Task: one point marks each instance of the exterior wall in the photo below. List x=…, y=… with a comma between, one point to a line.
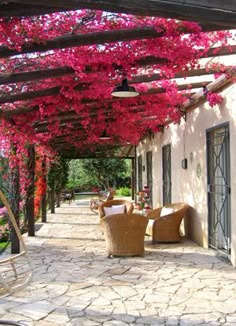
x=188, y=140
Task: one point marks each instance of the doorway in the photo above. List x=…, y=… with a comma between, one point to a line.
x=140, y=173
x=218, y=179
x=166, y=174
x=149, y=175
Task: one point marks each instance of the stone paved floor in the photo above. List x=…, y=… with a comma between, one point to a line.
x=74, y=283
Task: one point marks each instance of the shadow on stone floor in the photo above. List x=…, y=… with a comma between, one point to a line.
x=155, y=255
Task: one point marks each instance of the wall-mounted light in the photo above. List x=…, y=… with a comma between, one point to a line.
x=184, y=163
x=124, y=90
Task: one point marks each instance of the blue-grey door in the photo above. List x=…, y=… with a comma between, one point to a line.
x=166, y=174
x=149, y=175
x=218, y=174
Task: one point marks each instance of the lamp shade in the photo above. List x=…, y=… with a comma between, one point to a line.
x=124, y=90
x=104, y=135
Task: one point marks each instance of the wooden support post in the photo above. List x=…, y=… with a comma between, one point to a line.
x=135, y=173
x=44, y=208
x=14, y=201
x=52, y=197
x=44, y=199
x=29, y=204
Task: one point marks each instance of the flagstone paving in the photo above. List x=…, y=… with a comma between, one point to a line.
x=74, y=283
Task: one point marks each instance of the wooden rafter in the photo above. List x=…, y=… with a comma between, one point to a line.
x=28, y=76
x=22, y=10
x=70, y=41
x=212, y=15
x=34, y=75
x=11, y=98
x=218, y=85
x=218, y=12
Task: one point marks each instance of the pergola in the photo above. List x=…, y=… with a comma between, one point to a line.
x=211, y=17
x=56, y=90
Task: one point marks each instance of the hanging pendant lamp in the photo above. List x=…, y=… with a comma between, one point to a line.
x=104, y=135
x=124, y=90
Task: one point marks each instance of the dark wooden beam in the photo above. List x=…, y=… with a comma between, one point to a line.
x=11, y=98
x=24, y=10
x=83, y=39
x=69, y=41
x=218, y=12
x=72, y=117
x=21, y=10
x=35, y=75
x=21, y=110
x=217, y=86
x=183, y=74
x=63, y=71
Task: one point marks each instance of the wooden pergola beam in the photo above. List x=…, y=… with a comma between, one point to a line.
x=72, y=117
x=218, y=85
x=94, y=38
x=22, y=10
x=11, y=98
x=218, y=12
x=29, y=76
x=70, y=41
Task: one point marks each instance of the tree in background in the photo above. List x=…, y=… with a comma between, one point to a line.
x=104, y=173
x=57, y=179
x=76, y=176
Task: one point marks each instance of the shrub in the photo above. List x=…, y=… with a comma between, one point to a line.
x=4, y=232
x=124, y=191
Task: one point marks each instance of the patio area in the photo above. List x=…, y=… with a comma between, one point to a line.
x=74, y=283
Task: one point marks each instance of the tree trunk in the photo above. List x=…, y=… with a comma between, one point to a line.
x=52, y=197
x=58, y=197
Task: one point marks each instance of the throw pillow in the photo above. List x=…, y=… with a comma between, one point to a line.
x=108, y=210
x=118, y=209
x=166, y=211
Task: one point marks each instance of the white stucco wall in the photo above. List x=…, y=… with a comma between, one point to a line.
x=188, y=185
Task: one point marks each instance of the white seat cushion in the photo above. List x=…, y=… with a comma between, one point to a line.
x=166, y=211
x=149, y=228
x=118, y=209
x=108, y=210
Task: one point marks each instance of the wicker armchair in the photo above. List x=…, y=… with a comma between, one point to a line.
x=124, y=234
x=129, y=207
x=166, y=228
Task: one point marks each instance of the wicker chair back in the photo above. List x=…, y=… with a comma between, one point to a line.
x=166, y=228
x=129, y=207
x=124, y=234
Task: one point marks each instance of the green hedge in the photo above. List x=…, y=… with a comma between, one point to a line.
x=124, y=191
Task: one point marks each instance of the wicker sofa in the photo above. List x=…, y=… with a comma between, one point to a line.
x=124, y=234
x=128, y=206
x=166, y=228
